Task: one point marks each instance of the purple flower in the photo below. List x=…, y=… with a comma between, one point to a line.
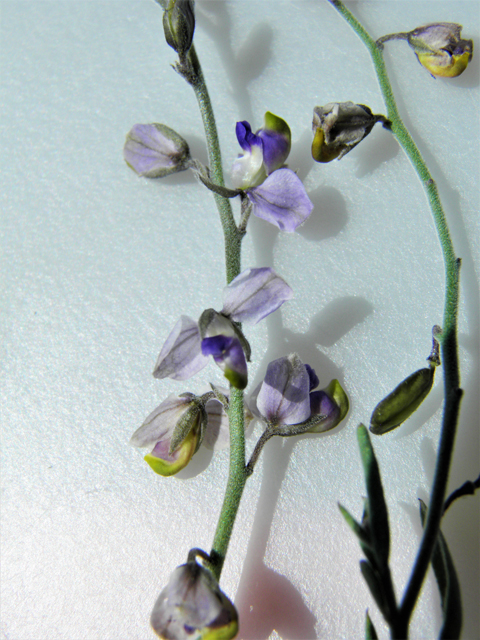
x=192, y=605
x=155, y=150
x=286, y=398
x=251, y=296
x=277, y=194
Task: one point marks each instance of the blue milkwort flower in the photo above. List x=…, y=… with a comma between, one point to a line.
x=192, y=607
x=276, y=193
x=174, y=431
x=251, y=296
x=287, y=401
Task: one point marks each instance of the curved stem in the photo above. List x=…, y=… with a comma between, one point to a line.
x=448, y=338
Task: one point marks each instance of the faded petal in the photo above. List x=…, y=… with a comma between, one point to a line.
x=181, y=355
x=281, y=200
x=284, y=394
x=192, y=606
x=155, y=150
x=254, y=294
x=160, y=424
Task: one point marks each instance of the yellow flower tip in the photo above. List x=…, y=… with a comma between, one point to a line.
x=445, y=65
x=178, y=460
x=322, y=152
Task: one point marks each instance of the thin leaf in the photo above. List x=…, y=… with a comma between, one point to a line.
x=448, y=585
x=356, y=527
x=377, y=507
x=374, y=584
x=370, y=633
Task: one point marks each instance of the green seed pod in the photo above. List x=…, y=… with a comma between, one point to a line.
x=402, y=401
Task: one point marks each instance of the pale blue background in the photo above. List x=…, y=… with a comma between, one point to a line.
x=97, y=265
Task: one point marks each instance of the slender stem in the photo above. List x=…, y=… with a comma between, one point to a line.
x=468, y=488
x=448, y=338
x=233, y=238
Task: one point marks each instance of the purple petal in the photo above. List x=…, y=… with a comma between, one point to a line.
x=228, y=354
x=284, y=395
x=312, y=377
x=281, y=200
x=254, y=294
x=275, y=149
x=322, y=404
x=181, y=356
x=155, y=150
x=246, y=138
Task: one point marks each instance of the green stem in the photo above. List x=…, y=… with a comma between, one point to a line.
x=448, y=337
x=233, y=238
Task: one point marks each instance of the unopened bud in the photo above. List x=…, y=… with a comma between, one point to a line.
x=179, y=25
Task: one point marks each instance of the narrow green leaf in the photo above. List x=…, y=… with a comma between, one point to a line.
x=448, y=585
x=373, y=581
x=377, y=507
x=370, y=633
x=356, y=527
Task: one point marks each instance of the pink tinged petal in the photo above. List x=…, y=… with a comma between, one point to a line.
x=284, y=395
x=181, y=355
x=281, y=200
x=254, y=294
x=155, y=150
x=160, y=424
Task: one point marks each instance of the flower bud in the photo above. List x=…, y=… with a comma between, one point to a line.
x=179, y=25
x=330, y=403
x=155, y=150
x=192, y=607
x=440, y=49
x=339, y=126
x=402, y=401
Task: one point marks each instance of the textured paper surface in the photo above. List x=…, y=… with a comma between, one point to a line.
x=98, y=264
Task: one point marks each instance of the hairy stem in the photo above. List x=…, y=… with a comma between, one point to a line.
x=233, y=238
x=448, y=338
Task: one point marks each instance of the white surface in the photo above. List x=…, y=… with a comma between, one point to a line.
x=98, y=265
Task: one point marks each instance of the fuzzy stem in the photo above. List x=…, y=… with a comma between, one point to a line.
x=448, y=338
x=233, y=238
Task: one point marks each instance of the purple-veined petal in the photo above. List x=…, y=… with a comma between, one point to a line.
x=254, y=294
x=160, y=424
x=181, y=356
x=155, y=150
x=284, y=395
x=281, y=200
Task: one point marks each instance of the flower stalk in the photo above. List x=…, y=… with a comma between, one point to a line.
x=448, y=338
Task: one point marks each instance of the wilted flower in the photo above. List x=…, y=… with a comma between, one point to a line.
x=277, y=194
x=192, y=607
x=438, y=47
x=251, y=296
x=339, y=126
x=179, y=25
x=155, y=150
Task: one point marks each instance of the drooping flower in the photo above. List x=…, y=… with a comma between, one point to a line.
x=192, y=607
x=155, y=150
x=251, y=296
x=439, y=47
x=276, y=193
x=339, y=126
